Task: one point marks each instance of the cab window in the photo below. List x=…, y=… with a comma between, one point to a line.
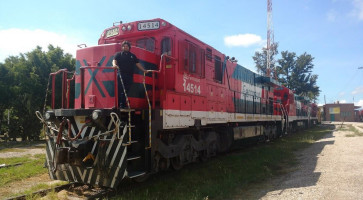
x=193, y=58
x=209, y=54
x=146, y=43
x=218, y=74
x=166, y=46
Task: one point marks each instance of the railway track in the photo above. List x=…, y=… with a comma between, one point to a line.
x=74, y=190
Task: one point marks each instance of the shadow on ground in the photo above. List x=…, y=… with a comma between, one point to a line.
x=303, y=176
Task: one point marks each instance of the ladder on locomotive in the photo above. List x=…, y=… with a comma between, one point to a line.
x=132, y=157
x=162, y=65
x=150, y=107
x=285, y=118
x=129, y=111
x=135, y=164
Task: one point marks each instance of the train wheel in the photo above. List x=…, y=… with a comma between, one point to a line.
x=176, y=163
x=262, y=138
x=163, y=164
x=203, y=155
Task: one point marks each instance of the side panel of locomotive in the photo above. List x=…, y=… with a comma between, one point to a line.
x=212, y=89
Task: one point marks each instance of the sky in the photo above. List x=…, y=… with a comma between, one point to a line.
x=329, y=30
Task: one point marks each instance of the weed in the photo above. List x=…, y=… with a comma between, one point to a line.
x=355, y=131
x=30, y=166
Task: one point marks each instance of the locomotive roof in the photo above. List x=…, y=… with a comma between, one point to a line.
x=120, y=30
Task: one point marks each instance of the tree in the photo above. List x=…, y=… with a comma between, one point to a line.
x=26, y=81
x=292, y=71
x=303, y=81
x=296, y=74
x=286, y=65
x=260, y=58
x=6, y=92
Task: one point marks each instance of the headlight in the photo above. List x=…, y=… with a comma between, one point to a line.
x=123, y=28
x=129, y=27
x=96, y=114
x=49, y=115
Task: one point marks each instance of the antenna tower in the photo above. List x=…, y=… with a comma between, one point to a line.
x=270, y=37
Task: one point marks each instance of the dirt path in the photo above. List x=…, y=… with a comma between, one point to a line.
x=332, y=168
x=17, y=152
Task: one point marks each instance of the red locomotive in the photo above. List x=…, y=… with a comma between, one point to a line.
x=196, y=103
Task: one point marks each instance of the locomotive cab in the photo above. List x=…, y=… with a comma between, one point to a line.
x=96, y=81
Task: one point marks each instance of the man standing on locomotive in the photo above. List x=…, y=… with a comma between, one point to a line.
x=125, y=61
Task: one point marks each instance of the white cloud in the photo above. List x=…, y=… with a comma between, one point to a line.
x=358, y=90
x=243, y=40
x=14, y=41
x=358, y=9
x=359, y=103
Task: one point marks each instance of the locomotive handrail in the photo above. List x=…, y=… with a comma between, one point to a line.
x=82, y=82
x=286, y=109
x=65, y=84
x=162, y=66
x=225, y=66
x=53, y=86
x=284, y=112
x=162, y=59
x=128, y=105
x=286, y=115
x=68, y=88
x=149, y=106
x=59, y=71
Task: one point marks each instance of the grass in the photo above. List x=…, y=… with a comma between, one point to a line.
x=31, y=166
x=344, y=127
x=221, y=177
x=355, y=131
